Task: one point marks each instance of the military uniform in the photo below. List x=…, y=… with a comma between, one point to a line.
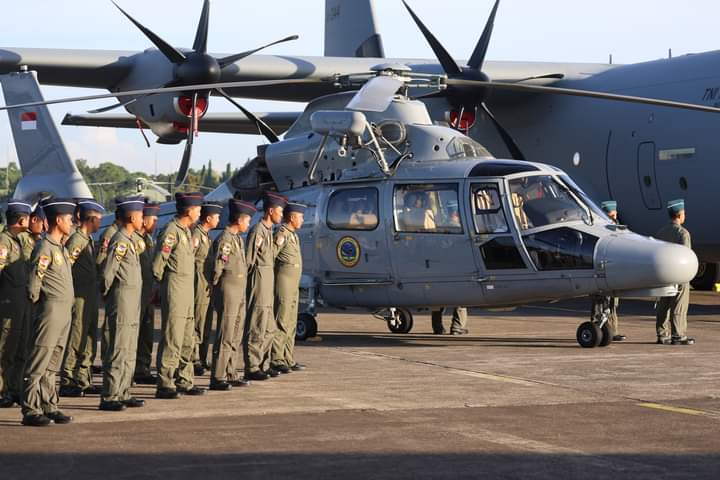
x=203, y=286
x=673, y=310
x=174, y=269
x=458, y=325
x=288, y=270
x=230, y=280
x=50, y=288
x=103, y=246
x=145, y=246
x=77, y=366
x=122, y=287
x=14, y=311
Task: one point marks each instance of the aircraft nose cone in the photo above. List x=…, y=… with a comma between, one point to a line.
x=636, y=262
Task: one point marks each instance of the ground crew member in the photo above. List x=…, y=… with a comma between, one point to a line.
x=174, y=269
x=122, y=289
x=458, y=325
x=261, y=289
x=288, y=270
x=76, y=372
x=610, y=209
x=230, y=282
x=673, y=310
x=209, y=220
x=50, y=288
x=143, y=375
x=14, y=304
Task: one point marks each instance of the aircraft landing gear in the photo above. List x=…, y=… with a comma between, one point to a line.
x=597, y=332
x=306, y=327
x=399, y=320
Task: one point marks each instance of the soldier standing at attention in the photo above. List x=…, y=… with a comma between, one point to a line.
x=230, y=282
x=610, y=209
x=76, y=372
x=50, y=288
x=209, y=220
x=288, y=269
x=122, y=289
x=261, y=288
x=174, y=269
x=674, y=310
x=14, y=304
x=35, y=232
x=143, y=375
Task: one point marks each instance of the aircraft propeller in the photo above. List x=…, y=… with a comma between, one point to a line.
x=198, y=67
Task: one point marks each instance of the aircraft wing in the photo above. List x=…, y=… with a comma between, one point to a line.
x=280, y=122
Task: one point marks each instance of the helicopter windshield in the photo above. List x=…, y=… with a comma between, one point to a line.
x=542, y=200
x=465, y=147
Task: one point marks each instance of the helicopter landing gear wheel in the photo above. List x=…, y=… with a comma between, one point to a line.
x=589, y=335
x=306, y=327
x=400, y=321
x=607, y=333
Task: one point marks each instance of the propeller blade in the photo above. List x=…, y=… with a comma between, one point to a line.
x=172, y=54
x=525, y=88
x=507, y=138
x=478, y=56
x=449, y=65
x=262, y=127
x=201, y=37
x=239, y=56
x=552, y=76
x=187, y=154
x=112, y=107
x=153, y=91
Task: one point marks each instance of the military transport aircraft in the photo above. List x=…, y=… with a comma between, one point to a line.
x=638, y=152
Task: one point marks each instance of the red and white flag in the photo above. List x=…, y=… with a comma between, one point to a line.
x=28, y=121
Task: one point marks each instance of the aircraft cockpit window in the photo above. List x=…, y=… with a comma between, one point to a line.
x=353, y=209
x=465, y=147
x=561, y=249
x=487, y=210
x=427, y=208
x=538, y=201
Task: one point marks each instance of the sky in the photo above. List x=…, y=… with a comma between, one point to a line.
x=525, y=30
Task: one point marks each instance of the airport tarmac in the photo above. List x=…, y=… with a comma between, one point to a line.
x=517, y=398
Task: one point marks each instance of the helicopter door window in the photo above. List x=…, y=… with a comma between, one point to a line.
x=427, y=208
x=353, y=209
x=541, y=200
x=487, y=210
x=561, y=249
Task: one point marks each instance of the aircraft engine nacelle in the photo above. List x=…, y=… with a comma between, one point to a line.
x=169, y=116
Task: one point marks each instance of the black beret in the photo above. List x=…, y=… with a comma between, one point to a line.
x=187, y=200
x=272, y=199
x=210, y=208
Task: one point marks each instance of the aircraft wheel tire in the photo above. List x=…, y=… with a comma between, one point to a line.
x=607, y=333
x=706, y=277
x=306, y=327
x=588, y=335
x=404, y=323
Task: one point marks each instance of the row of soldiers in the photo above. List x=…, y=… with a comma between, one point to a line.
x=51, y=293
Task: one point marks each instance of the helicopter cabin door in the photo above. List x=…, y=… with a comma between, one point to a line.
x=430, y=247
x=352, y=248
x=503, y=271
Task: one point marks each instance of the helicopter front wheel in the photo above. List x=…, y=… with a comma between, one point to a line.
x=589, y=335
x=400, y=321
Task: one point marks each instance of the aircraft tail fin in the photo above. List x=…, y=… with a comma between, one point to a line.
x=351, y=29
x=46, y=166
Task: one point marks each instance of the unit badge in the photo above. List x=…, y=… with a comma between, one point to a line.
x=348, y=252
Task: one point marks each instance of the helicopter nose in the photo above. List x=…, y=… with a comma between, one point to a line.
x=636, y=262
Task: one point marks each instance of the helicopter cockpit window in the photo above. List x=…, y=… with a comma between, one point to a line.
x=464, y=147
x=561, y=249
x=542, y=200
x=487, y=209
x=353, y=209
x=427, y=208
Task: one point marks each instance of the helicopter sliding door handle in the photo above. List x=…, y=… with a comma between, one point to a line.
x=482, y=279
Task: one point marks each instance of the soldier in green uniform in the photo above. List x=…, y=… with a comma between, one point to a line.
x=288, y=270
x=35, y=232
x=611, y=303
x=143, y=375
x=230, y=282
x=122, y=289
x=458, y=325
x=261, y=289
x=209, y=220
x=76, y=372
x=174, y=269
x=673, y=310
x=50, y=288
x=14, y=304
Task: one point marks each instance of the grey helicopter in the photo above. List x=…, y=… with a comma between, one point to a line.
x=406, y=214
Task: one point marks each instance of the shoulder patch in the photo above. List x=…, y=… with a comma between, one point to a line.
x=3, y=253
x=105, y=245
x=75, y=254
x=170, y=240
x=280, y=240
x=58, y=258
x=226, y=248
x=141, y=246
x=121, y=249
x=43, y=264
x=196, y=242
